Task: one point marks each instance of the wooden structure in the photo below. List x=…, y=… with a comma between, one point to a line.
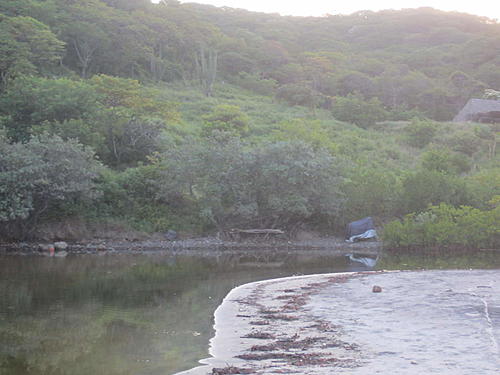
x=239, y=234
x=480, y=110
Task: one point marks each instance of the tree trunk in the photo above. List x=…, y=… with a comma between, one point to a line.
x=207, y=67
x=84, y=52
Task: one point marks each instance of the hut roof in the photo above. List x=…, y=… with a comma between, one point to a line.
x=475, y=107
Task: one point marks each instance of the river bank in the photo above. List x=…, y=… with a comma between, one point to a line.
x=330, y=245
x=444, y=322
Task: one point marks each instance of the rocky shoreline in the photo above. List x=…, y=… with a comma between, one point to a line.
x=196, y=245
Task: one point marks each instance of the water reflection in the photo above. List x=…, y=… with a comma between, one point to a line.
x=139, y=314
x=124, y=314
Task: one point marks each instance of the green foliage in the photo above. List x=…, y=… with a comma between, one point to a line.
x=371, y=192
x=30, y=101
x=35, y=176
x=445, y=161
x=465, y=142
x=298, y=94
x=252, y=82
x=394, y=65
x=83, y=130
x=445, y=226
x=420, y=132
x=356, y=110
x=352, y=83
x=26, y=46
x=484, y=187
x=433, y=68
x=133, y=120
x=274, y=184
x=226, y=118
x=310, y=131
x=430, y=187
x=134, y=196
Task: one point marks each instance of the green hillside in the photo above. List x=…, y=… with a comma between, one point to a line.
x=199, y=119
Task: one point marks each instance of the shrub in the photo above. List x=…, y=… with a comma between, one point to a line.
x=370, y=192
x=226, y=118
x=32, y=101
x=420, y=132
x=424, y=188
x=35, y=176
x=134, y=196
x=445, y=226
x=298, y=94
x=252, y=82
x=484, y=186
x=274, y=184
x=465, y=142
x=356, y=110
x=445, y=161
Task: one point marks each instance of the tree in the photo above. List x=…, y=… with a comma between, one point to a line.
x=491, y=94
x=356, y=110
x=35, y=176
x=30, y=101
x=420, y=132
x=424, y=188
x=234, y=63
x=355, y=82
x=443, y=160
x=490, y=133
x=26, y=46
x=370, y=192
x=298, y=94
x=288, y=74
x=206, y=63
x=227, y=118
x=132, y=121
x=272, y=185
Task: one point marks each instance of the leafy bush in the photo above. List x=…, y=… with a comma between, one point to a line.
x=371, y=192
x=465, y=142
x=252, y=82
x=420, y=132
x=424, y=188
x=445, y=225
x=227, y=118
x=274, y=184
x=32, y=101
x=298, y=94
x=134, y=197
x=445, y=161
x=37, y=175
x=355, y=109
x=484, y=187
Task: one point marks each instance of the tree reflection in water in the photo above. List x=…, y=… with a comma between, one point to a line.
x=124, y=314
x=142, y=314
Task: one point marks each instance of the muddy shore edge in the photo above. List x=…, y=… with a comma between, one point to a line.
x=261, y=327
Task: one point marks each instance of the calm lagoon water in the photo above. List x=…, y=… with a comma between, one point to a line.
x=138, y=314
x=124, y=314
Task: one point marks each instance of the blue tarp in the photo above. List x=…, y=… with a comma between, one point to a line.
x=360, y=230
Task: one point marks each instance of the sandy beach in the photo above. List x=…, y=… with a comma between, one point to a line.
x=443, y=322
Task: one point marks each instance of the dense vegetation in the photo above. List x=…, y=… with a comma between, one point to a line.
x=199, y=118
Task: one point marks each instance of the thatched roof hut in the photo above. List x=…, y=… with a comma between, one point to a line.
x=480, y=110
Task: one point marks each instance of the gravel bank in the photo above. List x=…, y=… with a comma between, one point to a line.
x=202, y=246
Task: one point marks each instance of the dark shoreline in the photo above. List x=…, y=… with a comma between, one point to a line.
x=201, y=246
